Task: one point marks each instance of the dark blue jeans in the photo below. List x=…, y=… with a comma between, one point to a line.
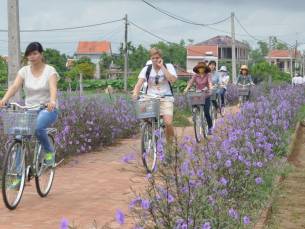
x=206, y=109
x=222, y=94
x=44, y=120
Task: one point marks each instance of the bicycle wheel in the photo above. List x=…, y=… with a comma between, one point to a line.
x=44, y=174
x=13, y=175
x=148, y=147
x=220, y=107
x=213, y=114
x=199, y=124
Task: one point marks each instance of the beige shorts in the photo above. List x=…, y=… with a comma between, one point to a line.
x=166, y=108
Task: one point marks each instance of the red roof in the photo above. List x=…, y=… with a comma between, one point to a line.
x=93, y=47
x=282, y=54
x=202, y=50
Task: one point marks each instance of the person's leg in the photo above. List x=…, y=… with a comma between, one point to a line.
x=44, y=120
x=215, y=104
x=169, y=129
x=223, y=97
x=167, y=111
x=207, y=114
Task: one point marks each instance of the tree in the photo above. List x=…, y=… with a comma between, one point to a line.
x=173, y=53
x=56, y=59
x=275, y=44
x=3, y=71
x=263, y=48
x=263, y=70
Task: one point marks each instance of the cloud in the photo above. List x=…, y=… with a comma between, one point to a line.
x=261, y=18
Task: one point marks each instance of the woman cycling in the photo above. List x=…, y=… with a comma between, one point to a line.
x=245, y=79
x=215, y=80
x=202, y=80
x=39, y=82
x=224, y=80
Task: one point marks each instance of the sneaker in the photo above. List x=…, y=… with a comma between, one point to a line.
x=15, y=183
x=49, y=158
x=210, y=131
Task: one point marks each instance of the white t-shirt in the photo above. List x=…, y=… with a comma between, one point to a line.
x=297, y=80
x=162, y=88
x=36, y=89
x=224, y=78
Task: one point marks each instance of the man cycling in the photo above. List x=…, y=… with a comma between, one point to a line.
x=159, y=77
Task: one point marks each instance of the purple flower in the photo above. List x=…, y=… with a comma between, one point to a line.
x=233, y=213
x=170, y=198
x=223, y=181
x=258, y=180
x=246, y=220
x=120, y=217
x=206, y=225
x=228, y=164
x=64, y=224
x=145, y=204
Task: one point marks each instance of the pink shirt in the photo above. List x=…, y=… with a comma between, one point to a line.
x=202, y=82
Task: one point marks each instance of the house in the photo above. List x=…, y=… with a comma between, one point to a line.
x=93, y=50
x=218, y=48
x=286, y=60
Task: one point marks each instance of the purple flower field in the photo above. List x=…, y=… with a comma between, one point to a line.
x=225, y=182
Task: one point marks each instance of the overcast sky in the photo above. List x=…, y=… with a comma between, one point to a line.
x=262, y=18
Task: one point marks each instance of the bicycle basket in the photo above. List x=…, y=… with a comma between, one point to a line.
x=148, y=108
x=243, y=91
x=196, y=98
x=19, y=123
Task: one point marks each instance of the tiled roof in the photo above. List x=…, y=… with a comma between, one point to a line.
x=93, y=47
x=202, y=50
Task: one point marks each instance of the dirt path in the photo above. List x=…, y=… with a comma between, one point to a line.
x=289, y=207
x=90, y=187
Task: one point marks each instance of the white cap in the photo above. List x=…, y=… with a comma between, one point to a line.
x=223, y=69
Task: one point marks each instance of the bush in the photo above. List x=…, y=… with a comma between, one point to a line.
x=225, y=182
x=85, y=123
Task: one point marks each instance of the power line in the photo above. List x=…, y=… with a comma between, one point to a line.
x=67, y=28
x=253, y=37
x=161, y=38
x=152, y=34
x=180, y=18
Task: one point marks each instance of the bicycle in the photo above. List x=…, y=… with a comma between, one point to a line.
x=197, y=101
x=152, y=129
x=244, y=93
x=19, y=161
x=215, y=98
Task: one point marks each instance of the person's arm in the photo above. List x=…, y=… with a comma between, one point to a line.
x=137, y=88
x=189, y=85
x=251, y=80
x=53, y=92
x=167, y=72
x=12, y=90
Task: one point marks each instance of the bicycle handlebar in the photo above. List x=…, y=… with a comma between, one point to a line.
x=8, y=105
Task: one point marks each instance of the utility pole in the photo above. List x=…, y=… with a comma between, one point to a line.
x=126, y=54
x=14, y=57
x=233, y=47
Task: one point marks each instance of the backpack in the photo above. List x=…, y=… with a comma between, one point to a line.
x=147, y=74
